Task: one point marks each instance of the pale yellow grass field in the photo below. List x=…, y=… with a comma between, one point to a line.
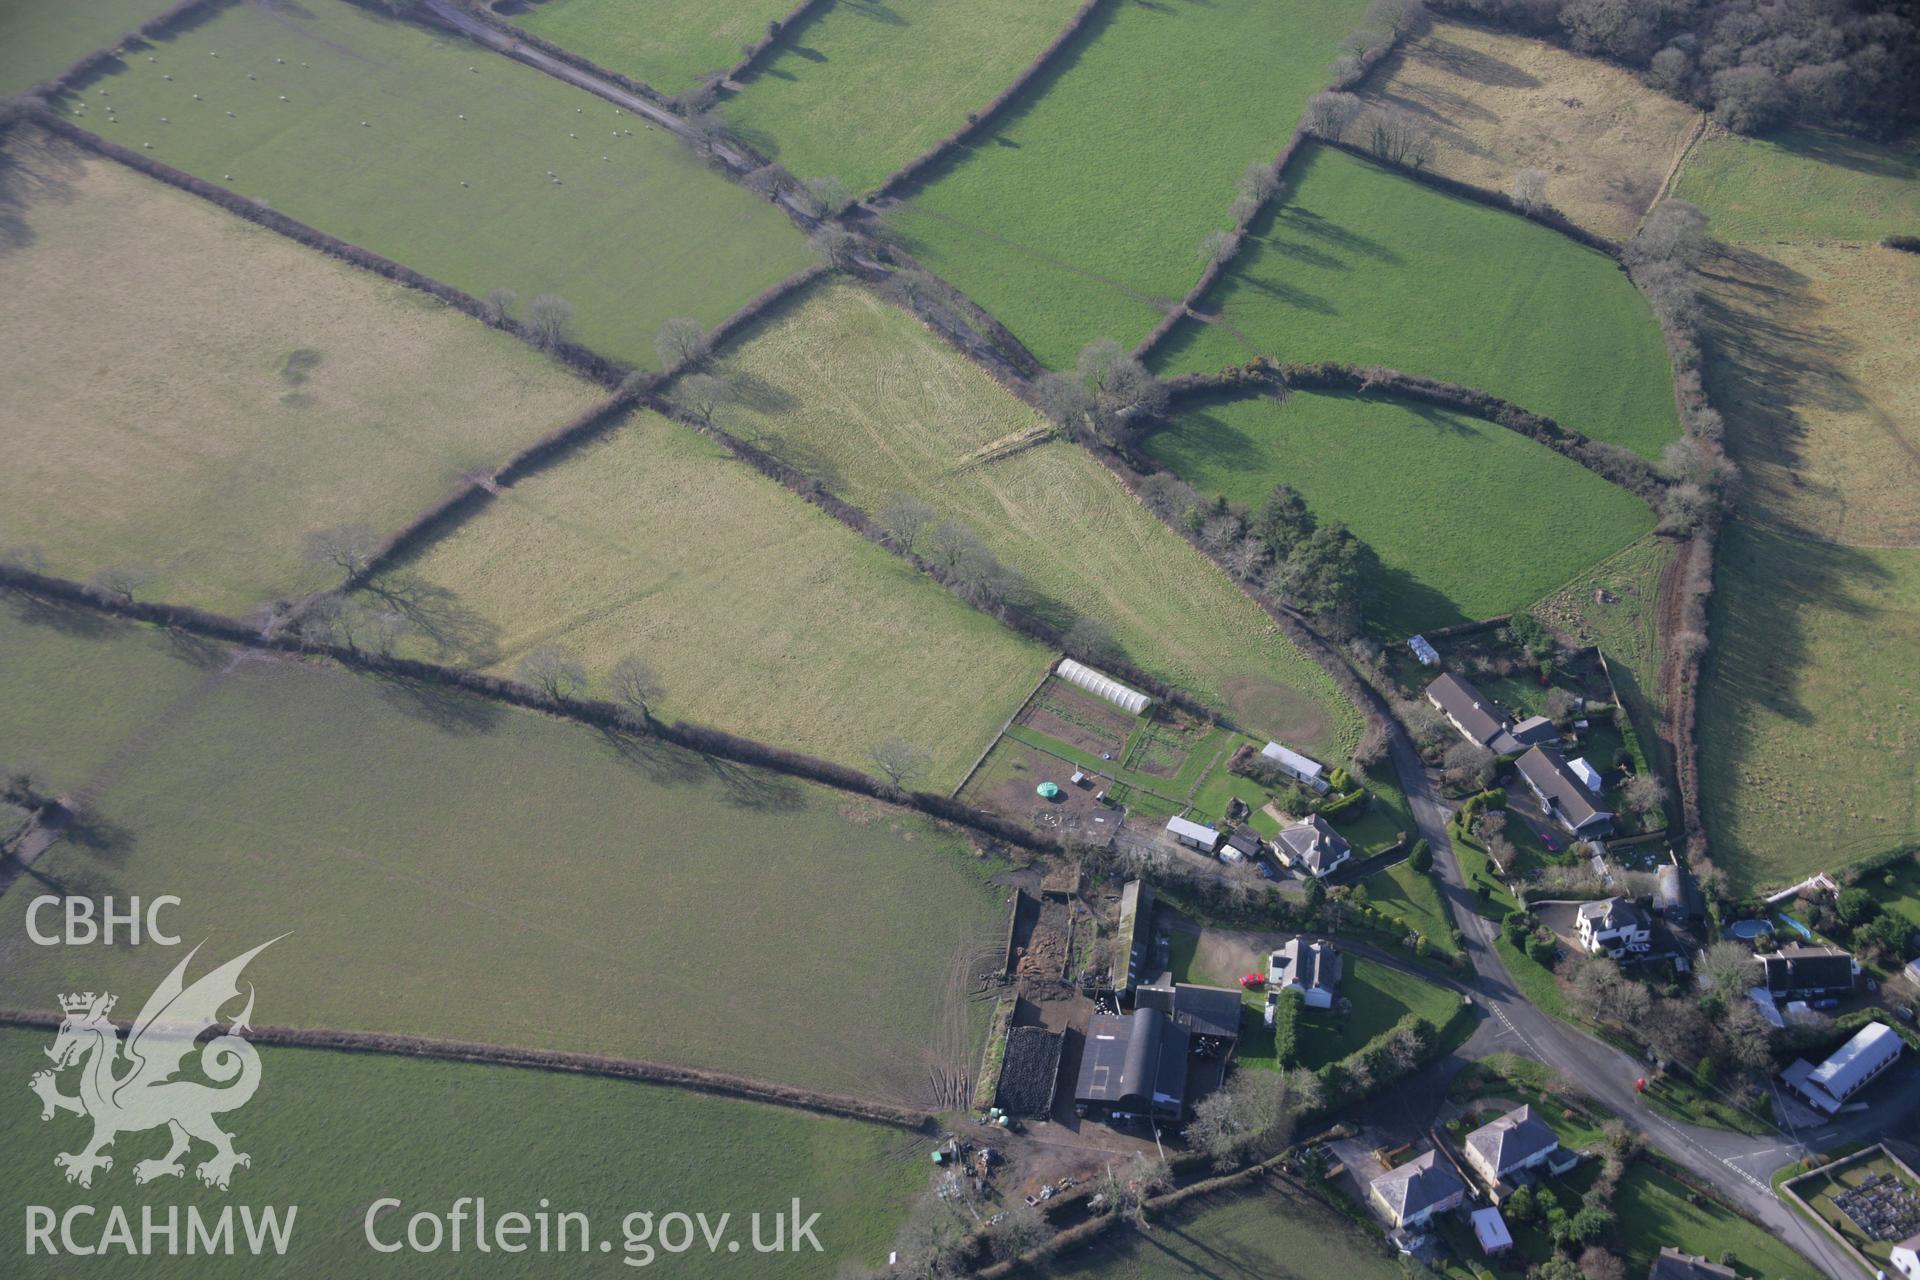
x=1819, y=375
x=1503, y=103
x=763, y=615
x=147, y=419
x=860, y=394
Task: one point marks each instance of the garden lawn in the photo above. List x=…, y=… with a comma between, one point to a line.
x=1654, y=1210
x=1082, y=212
x=371, y=146
x=1413, y=896
x=762, y=614
x=170, y=409
x=1625, y=627
x=1802, y=185
x=859, y=394
x=1275, y=1234
x=1469, y=520
x=1810, y=751
x=1381, y=997
x=861, y=88
x=669, y=44
x=41, y=38
x=447, y=867
x=1363, y=265
x=332, y=1132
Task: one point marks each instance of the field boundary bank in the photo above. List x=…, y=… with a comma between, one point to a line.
x=695, y=1079
x=916, y=169
x=1237, y=235
x=483, y=13
x=1263, y=376
x=598, y=714
x=595, y=368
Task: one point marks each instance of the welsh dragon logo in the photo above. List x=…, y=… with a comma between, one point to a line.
x=132, y=1087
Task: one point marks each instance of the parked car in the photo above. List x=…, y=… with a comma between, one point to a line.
x=1265, y=870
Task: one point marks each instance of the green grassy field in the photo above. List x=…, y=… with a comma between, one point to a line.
x=451, y=868
x=1274, y=1235
x=858, y=393
x=1809, y=750
x=172, y=411
x=332, y=1132
x=762, y=614
x=41, y=38
x=1654, y=1211
x=667, y=43
x=633, y=231
x=1360, y=264
x=1475, y=521
x=1381, y=997
x=1625, y=627
x=863, y=88
x=1084, y=210
x=1804, y=186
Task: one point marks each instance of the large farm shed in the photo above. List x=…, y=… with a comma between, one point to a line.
x=1103, y=685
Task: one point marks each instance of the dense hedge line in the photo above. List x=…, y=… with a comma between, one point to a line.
x=1610, y=462
x=593, y=712
x=480, y=12
x=578, y=358
x=1550, y=218
x=591, y=1064
x=977, y=121
x=1277, y=170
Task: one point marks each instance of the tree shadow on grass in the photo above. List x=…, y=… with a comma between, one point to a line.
x=32, y=171
x=198, y=651
x=64, y=618
x=742, y=787
x=662, y=762
x=1474, y=64
x=454, y=630
x=447, y=709
x=1310, y=223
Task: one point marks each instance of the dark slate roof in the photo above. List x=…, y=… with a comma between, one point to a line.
x=1478, y=716
x=1609, y=914
x=1418, y=1184
x=1675, y=1265
x=1246, y=840
x=1207, y=1011
x=1546, y=772
x=1514, y=1138
x=1314, y=965
x=1134, y=1061
x=1029, y=1071
x=1793, y=969
x=1535, y=730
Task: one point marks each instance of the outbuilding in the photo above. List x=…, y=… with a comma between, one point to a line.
x=1853, y=1066
x=1302, y=769
x=1194, y=835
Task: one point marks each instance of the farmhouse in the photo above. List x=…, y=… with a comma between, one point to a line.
x=1672, y=1264
x=1312, y=846
x=1518, y=1140
x=1809, y=973
x=1134, y=1067
x=1614, y=926
x=1418, y=1189
x=1301, y=769
x=1102, y=685
x=1311, y=968
x=1477, y=717
x=1905, y=1257
x=1242, y=845
x=1853, y=1066
x=1563, y=797
x=1135, y=936
x=1194, y=835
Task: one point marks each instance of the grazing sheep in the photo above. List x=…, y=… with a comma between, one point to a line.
x=164, y=120
x=281, y=61
x=166, y=77
x=226, y=177
x=197, y=98
x=252, y=76
x=283, y=97
x=365, y=125
x=229, y=115
x=463, y=184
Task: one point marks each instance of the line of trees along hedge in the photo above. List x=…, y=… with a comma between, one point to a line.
x=596, y=713
x=1546, y=216
x=1757, y=65
x=777, y=28
x=480, y=12
x=1346, y=74
x=598, y=368
x=719, y=1083
x=978, y=121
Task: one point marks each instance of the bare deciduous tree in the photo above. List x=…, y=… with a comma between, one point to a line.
x=681, y=341
x=549, y=320
x=1330, y=114
x=702, y=393
x=1217, y=246
x=1646, y=795
x=1530, y=190
x=636, y=685
x=1674, y=231
x=900, y=762
x=1090, y=640
x=836, y=246
x=1397, y=137
x=121, y=580
x=828, y=196
x=498, y=305
x=902, y=519
x=554, y=670
x=349, y=548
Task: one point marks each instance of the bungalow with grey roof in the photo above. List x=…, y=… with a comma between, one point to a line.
x=1422, y=1187
x=1562, y=796
x=1517, y=1140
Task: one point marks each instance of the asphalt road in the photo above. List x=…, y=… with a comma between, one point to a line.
x=1737, y=1165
